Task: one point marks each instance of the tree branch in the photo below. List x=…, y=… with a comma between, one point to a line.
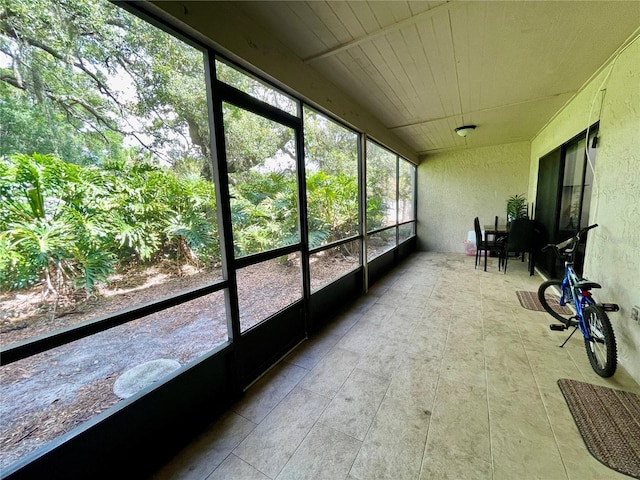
x=103, y=87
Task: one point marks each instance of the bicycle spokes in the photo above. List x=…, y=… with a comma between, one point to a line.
x=595, y=328
x=600, y=341
x=585, y=313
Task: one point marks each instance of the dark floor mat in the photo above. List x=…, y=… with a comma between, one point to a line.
x=609, y=422
x=529, y=300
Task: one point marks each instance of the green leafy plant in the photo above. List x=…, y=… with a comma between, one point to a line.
x=516, y=207
x=45, y=229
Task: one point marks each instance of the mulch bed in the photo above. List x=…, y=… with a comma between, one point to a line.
x=46, y=395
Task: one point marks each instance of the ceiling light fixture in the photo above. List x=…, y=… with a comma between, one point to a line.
x=465, y=130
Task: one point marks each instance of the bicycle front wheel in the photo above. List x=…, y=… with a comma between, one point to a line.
x=549, y=297
x=601, y=344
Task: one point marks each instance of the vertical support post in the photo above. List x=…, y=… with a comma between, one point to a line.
x=225, y=232
x=362, y=189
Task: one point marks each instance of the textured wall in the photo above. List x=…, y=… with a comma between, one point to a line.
x=458, y=185
x=613, y=251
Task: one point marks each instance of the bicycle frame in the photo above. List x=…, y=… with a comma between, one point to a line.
x=581, y=298
x=589, y=317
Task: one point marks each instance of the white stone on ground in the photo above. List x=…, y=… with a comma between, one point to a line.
x=143, y=375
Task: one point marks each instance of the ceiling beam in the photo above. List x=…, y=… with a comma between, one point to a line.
x=482, y=110
x=380, y=32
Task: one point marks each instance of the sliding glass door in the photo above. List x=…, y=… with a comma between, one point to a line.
x=565, y=182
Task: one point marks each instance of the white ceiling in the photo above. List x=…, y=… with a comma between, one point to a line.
x=423, y=68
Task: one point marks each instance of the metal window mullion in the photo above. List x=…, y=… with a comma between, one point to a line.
x=381, y=229
x=303, y=226
x=335, y=244
x=362, y=211
x=258, y=107
x=221, y=181
x=255, y=258
x=42, y=343
x=397, y=200
x=414, y=190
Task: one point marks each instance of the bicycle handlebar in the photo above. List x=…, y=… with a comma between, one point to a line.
x=569, y=242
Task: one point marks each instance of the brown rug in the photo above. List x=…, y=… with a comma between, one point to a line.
x=529, y=300
x=609, y=422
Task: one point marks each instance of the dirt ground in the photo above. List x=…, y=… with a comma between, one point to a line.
x=49, y=394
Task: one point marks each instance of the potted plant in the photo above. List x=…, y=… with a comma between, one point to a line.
x=516, y=207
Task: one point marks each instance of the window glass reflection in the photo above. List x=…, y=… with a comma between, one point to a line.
x=406, y=189
x=331, y=164
x=254, y=87
x=268, y=287
x=261, y=160
x=381, y=242
x=381, y=187
x=333, y=263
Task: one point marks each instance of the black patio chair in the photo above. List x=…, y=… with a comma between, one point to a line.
x=486, y=245
x=521, y=240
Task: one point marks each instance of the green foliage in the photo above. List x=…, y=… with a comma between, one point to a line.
x=381, y=186
x=406, y=185
x=16, y=271
x=83, y=74
x=68, y=226
x=45, y=238
x=94, y=268
x=80, y=82
x=331, y=159
x=332, y=202
x=328, y=146
x=250, y=139
x=264, y=212
x=516, y=207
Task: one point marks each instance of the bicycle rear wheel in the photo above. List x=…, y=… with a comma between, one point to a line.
x=601, y=344
x=549, y=297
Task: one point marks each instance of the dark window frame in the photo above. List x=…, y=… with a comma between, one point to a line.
x=217, y=92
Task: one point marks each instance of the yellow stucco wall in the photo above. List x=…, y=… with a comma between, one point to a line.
x=613, y=251
x=456, y=186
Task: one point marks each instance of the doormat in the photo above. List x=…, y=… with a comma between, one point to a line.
x=529, y=300
x=609, y=422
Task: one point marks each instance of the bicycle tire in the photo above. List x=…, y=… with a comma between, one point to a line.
x=550, y=300
x=601, y=344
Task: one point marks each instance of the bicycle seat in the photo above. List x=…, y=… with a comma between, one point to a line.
x=587, y=285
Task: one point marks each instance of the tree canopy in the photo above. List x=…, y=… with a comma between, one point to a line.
x=105, y=152
x=93, y=75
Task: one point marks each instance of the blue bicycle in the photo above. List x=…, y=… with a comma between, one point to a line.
x=557, y=295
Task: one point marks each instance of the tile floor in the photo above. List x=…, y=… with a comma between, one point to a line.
x=438, y=373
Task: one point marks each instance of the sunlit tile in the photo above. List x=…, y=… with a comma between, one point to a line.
x=325, y=454
x=522, y=441
x=394, y=445
x=233, y=467
x=461, y=419
x=331, y=372
x=207, y=451
x=463, y=360
x=265, y=394
x=442, y=462
x=416, y=378
x=269, y=447
x=353, y=408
